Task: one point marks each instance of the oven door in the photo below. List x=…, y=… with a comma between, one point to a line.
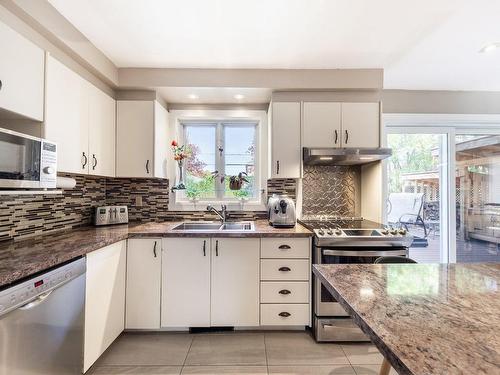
x=324, y=303
x=19, y=160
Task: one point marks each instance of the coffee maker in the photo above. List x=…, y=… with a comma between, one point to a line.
x=281, y=210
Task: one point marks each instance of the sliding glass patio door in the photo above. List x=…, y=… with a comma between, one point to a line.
x=416, y=191
x=477, y=186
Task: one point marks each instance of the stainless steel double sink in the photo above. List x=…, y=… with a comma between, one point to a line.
x=210, y=226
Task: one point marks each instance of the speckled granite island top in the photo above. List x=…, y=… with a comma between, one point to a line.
x=21, y=259
x=425, y=318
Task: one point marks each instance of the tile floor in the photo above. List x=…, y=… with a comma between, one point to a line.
x=236, y=353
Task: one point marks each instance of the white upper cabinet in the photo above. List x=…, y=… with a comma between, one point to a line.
x=21, y=75
x=322, y=124
x=102, y=126
x=332, y=124
x=361, y=125
x=285, y=140
x=235, y=282
x=67, y=117
x=142, y=129
x=80, y=118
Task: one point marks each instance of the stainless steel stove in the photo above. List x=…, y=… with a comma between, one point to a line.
x=340, y=240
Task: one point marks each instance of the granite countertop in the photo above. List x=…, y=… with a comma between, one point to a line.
x=424, y=318
x=24, y=258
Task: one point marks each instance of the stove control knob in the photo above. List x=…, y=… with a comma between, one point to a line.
x=338, y=232
x=402, y=231
x=394, y=232
x=385, y=231
x=321, y=232
x=330, y=232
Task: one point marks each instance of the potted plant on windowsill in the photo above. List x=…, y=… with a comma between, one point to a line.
x=236, y=182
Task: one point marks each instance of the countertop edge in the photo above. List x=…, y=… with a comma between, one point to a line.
x=393, y=359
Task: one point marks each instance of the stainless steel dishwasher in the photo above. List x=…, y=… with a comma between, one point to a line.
x=41, y=323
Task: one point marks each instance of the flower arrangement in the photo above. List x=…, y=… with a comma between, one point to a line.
x=180, y=152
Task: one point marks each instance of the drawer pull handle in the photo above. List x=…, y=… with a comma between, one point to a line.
x=284, y=269
x=284, y=291
x=284, y=314
x=284, y=247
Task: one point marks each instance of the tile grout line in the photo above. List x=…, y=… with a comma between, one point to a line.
x=187, y=353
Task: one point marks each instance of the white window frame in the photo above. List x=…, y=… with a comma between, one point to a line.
x=450, y=125
x=179, y=118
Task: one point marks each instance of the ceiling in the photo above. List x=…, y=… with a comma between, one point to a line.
x=424, y=44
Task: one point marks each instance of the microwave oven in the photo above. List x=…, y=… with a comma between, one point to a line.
x=26, y=161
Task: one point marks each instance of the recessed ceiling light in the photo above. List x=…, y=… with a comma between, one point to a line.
x=193, y=96
x=490, y=47
x=239, y=96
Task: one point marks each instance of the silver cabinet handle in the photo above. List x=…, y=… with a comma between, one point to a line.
x=284, y=269
x=277, y=167
x=147, y=166
x=346, y=136
x=216, y=248
x=204, y=248
x=95, y=162
x=284, y=292
x=154, y=250
x=284, y=247
x=336, y=136
x=284, y=314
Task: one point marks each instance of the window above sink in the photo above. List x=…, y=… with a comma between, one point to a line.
x=223, y=144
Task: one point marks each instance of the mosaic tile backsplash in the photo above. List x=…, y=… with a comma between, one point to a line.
x=23, y=216
x=331, y=190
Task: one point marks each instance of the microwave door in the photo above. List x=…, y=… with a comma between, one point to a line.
x=19, y=161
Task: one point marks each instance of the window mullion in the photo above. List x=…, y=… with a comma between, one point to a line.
x=220, y=162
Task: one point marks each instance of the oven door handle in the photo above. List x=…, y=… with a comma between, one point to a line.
x=365, y=253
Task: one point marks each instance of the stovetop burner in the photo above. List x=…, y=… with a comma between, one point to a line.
x=336, y=222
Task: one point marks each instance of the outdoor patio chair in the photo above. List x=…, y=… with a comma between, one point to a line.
x=407, y=209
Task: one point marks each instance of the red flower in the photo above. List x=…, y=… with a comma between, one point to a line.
x=174, y=143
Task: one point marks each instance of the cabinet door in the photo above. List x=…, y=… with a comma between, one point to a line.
x=66, y=121
x=21, y=74
x=286, y=151
x=104, y=300
x=321, y=126
x=235, y=282
x=143, y=284
x=134, y=138
x=161, y=140
x=102, y=110
x=185, y=298
x=361, y=125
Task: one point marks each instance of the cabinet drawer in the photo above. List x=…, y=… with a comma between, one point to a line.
x=285, y=269
x=284, y=292
x=285, y=248
x=284, y=314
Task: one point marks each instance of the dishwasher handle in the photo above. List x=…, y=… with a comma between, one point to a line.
x=37, y=301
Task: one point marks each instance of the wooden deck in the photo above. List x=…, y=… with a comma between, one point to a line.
x=467, y=251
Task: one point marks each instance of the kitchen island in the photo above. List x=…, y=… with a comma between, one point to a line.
x=424, y=318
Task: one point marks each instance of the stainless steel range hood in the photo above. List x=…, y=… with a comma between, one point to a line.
x=344, y=156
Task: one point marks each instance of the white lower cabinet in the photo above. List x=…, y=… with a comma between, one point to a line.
x=143, y=284
x=185, y=298
x=104, y=300
x=210, y=282
x=235, y=282
x=285, y=274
